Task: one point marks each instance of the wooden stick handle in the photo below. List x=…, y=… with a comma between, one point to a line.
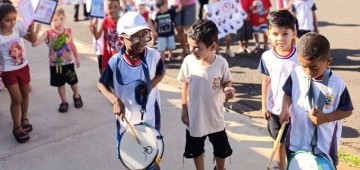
x=133, y=131
x=276, y=144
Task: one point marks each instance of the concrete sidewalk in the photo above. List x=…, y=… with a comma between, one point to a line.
x=85, y=138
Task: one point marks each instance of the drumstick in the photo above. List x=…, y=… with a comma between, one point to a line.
x=276, y=145
x=133, y=131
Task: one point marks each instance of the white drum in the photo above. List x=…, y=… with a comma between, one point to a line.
x=302, y=160
x=145, y=155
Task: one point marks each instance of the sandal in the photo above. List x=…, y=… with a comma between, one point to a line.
x=63, y=107
x=26, y=125
x=21, y=137
x=78, y=102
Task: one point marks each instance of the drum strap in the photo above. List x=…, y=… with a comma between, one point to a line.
x=142, y=100
x=320, y=104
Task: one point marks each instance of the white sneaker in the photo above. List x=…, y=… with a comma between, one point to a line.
x=229, y=53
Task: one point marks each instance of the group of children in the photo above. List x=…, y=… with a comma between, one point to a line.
x=205, y=78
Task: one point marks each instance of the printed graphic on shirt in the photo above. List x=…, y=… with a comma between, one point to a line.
x=216, y=83
x=16, y=53
x=111, y=44
x=329, y=100
x=61, y=52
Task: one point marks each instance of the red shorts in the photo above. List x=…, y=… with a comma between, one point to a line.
x=21, y=76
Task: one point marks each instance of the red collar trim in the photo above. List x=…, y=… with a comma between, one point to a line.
x=288, y=55
x=135, y=63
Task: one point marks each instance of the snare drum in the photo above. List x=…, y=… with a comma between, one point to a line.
x=145, y=155
x=302, y=160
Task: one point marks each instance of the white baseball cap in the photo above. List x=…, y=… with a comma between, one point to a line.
x=130, y=23
x=140, y=2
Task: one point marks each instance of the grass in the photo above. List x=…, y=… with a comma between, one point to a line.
x=349, y=159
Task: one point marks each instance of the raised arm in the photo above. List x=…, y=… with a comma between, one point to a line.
x=31, y=36
x=94, y=28
x=40, y=39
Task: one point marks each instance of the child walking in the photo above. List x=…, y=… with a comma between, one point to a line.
x=276, y=65
x=134, y=34
x=110, y=44
x=15, y=70
x=62, y=56
x=314, y=58
x=304, y=10
x=202, y=106
x=259, y=11
x=164, y=28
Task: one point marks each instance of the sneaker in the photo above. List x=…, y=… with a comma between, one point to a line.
x=257, y=49
x=229, y=53
x=242, y=50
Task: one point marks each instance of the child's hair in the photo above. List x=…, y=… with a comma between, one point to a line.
x=108, y=1
x=160, y=3
x=281, y=19
x=6, y=1
x=313, y=46
x=205, y=31
x=6, y=8
x=59, y=11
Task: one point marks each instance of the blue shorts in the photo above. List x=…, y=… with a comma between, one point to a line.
x=166, y=43
x=186, y=17
x=260, y=29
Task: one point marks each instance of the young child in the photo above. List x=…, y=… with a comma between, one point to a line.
x=62, y=55
x=110, y=44
x=314, y=58
x=134, y=34
x=164, y=28
x=15, y=76
x=202, y=96
x=304, y=10
x=245, y=33
x=276, y=65
x=259, y=11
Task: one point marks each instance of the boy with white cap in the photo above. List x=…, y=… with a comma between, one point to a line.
x=126, y=74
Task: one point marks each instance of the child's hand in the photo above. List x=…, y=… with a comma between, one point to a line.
x=37, y=28
x=93, y=25
x=229, y=93
x=284, y=116
x=185, y=116
x=265, y=113
x=317, y=117
x=119, y=109
x=77, y=62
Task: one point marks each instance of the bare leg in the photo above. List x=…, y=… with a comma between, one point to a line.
x=24, y=89
x=220, y=163
x=256, y=36
x=181, y=37
x=75, y=90
x=228, y=41
x=199, y=162
x=266, y=45
x=15, y=106
x=281, y=157
x=62, y=93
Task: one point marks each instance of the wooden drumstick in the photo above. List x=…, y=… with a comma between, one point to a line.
x=276, y=145
x=133, y=131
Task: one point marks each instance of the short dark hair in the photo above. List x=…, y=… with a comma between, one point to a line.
x=281, y=19
x=6, y=8
x=160, y=3
x=205, y=31
x=313, y=46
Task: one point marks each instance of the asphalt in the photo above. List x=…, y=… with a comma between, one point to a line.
x=85, y=138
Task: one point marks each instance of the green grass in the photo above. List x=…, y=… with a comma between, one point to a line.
x=349, y=159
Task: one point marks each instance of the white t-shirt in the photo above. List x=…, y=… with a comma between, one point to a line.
x=205, y=104
x=278, y=68
x=300, y=131
x=303, y=10
x=12, y=49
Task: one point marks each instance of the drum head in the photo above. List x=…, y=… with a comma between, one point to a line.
x=138, y=156
x=303, y=161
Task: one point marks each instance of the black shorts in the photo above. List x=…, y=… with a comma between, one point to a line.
x=99, y=57
x=300, y=33
x=194, y=146
x=245, y=32
x=64, y=74
x=274, y=127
